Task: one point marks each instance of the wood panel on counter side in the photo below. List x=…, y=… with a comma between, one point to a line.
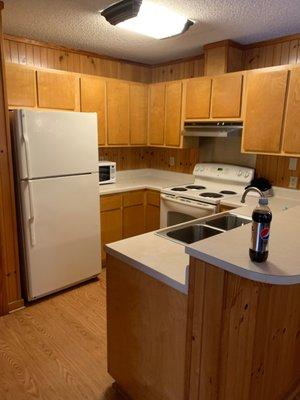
x=49, y=55
x=146, y=348
x=243, y=338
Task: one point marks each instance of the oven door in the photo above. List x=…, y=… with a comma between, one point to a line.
x=175, y=211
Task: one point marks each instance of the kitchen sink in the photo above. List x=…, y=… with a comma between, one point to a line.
x=193, y=233
x=228, y=222
x=196, y=230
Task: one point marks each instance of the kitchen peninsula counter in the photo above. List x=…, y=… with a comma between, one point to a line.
x=220, y=328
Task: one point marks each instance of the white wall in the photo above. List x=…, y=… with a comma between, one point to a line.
x=225, y=150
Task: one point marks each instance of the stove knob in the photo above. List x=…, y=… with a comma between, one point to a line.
x=246, y=174
x=240, y=172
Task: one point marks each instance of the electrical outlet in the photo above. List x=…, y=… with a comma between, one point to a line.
x=293, y=182
x=172, y=161
x=293, y=164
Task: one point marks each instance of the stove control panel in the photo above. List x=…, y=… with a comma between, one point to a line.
x=226, y=172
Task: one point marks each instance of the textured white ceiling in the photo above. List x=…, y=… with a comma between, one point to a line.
x=78, y=24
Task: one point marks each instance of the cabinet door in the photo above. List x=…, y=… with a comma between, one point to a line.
x=198, y=93
x=117, y=113
x=111, y=227
x=152, y=218
x=226, y=96
x=93, y=99
x=157, y=114
x=21, y=86
x=173, y=113
x=265, y=98
x=133, y=221
x=291, y=133
x=138, y=114
x=57, y=90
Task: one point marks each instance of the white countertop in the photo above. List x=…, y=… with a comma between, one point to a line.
x=230, y=250
x=145, y=179
x=167, y=261
x=158, y=257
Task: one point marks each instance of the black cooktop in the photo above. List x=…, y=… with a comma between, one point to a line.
x=179, y=189
x=195, y=187
x=211, y=194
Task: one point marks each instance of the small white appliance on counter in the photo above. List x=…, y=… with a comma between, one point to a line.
x=213, y=182
x=107, y=172
x=56, y=156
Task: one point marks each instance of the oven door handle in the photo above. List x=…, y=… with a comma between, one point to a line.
x=202, y=206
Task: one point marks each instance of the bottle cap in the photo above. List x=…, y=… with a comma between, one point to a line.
x=263, y=201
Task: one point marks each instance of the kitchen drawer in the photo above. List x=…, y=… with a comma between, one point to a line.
x=153, y=197
x=110, y=202
x=133, y=198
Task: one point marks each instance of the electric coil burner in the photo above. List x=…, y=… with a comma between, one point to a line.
x=179, y=189
x=195, y=187
x=228, y=192
x=212, y=195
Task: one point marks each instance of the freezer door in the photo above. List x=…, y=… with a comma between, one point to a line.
x=55, y=143
x=61, y=231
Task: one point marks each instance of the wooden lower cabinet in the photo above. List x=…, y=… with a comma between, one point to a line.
x=152, y=221
x=133, y=221
x=146, y=348
x=128, y=214
x=111, y=220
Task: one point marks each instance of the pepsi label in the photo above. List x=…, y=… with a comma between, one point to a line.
x=260, y=236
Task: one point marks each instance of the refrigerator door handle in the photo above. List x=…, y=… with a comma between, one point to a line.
x=26, y=144
x=31, y=214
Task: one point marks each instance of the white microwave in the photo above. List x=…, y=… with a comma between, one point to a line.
x=107, y=172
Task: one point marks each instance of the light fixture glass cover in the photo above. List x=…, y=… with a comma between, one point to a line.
x=156, y=21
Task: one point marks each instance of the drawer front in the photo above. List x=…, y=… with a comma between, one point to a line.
x=133, y=198
x=110, y=202
x=153, y=198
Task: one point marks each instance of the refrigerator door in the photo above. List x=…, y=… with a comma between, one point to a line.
x=55, y=143
x=61, y=232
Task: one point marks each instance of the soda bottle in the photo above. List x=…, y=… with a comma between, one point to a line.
x=261, y=221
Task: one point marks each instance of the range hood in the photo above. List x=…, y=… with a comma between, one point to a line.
x=212, y=129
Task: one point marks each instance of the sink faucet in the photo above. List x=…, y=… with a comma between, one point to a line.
x=251, y=189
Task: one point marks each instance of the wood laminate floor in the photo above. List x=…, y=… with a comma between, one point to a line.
x=56, y=348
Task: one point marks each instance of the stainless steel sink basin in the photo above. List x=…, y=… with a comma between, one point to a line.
x=227, y=222
x=192, y=233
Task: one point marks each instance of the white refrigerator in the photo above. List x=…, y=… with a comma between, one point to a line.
x=56, y=156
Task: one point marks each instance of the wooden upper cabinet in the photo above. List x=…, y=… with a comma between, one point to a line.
x=291, y=132
x=198, y=94
x=57, y=90
x=226, y=96
x=93, y=99
x=264, y=110
x=138, y=114
x=21, y=86
x=173, y=113
x=157, y=114
x=117, y=113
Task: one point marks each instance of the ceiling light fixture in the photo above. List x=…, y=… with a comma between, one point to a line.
x=146, y=18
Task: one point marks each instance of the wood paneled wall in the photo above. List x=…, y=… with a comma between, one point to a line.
x=180, y=69
x=274, y=52
x=152, y=157
x=276, y=169
x=39, y=54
